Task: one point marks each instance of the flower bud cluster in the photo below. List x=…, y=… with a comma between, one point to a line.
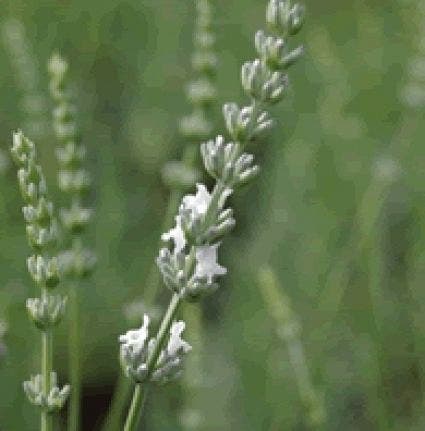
x=73, y=179
x=284, y=18
x=46, y=312
x=243, y=124
x=225, y=163
x=136, y=348
x=201, y=92
x=44, y=271
x=190, y=268
x=273, y=51
x=77, y=263
x=261, y=83
x=265, y=79
x=41, y=232
x=56, y=397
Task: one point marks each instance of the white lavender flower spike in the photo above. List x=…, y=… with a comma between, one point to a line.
x=189, y=267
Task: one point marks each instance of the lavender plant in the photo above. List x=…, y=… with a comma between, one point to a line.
x=77, y=262
x=47, y=311
x=189, y=266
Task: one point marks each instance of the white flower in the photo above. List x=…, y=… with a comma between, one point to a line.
x=135, y=339
x=170, y=361
x=198, y=206
x=177, y=235
x=206, y=262
x=198, y=203
x=175, y=344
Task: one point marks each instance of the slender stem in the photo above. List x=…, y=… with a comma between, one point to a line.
x=136, y=407
x=74, y=360
x=139, y=394
x=46, y=369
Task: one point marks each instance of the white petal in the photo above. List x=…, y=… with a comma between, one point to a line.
x=175, y=343
x=177, y=235
x=206, y=262
x=198, y=203
x=136, y=338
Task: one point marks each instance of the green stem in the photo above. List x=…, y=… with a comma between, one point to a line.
x=136, y=407
x=74, y=360
x=139, y=394
x=46, y=369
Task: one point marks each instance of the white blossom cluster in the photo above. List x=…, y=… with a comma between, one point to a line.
x=190, y=267
x=136, y=348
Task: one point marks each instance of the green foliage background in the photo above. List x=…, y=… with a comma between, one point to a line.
x=349, y=251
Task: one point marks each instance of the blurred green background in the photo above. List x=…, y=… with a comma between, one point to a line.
x=338, y=210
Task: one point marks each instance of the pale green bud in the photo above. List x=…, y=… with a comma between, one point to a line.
x=71, y=154
x=195, y=126
x=22, y=149
x=273, y=52
x=56, y=398
x=283, y=18
x=44, y=271
x=201, y=92
x=41, y=237
x=41, y=214
x=76, y=218
x=46, y=312
x=74, y=181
